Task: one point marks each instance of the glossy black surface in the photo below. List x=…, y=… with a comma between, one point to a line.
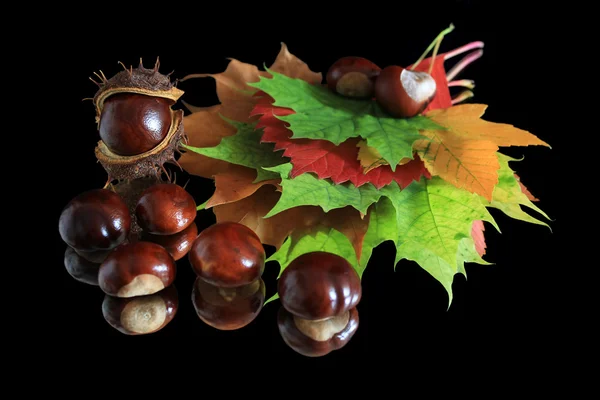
x=517, y=305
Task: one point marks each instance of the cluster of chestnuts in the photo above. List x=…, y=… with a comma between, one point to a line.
x=135, y=271
x=127, y=237
x=401, y=92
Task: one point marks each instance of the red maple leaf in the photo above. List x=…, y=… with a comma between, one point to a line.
x=339, y=163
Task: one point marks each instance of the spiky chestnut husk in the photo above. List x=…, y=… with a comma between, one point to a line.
x=149, y=82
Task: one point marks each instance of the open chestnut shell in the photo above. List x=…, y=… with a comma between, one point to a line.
x=178, y=244
x=228, y=254
x=136, y=269
x=81, y=269
x=305, y=345
x=403, y=93
x=141, y=315
x=228, y=308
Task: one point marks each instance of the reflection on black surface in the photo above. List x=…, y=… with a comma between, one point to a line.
x=81, y=269
x=228, y=308
x=141, y=315
x=178, y=244
x=316, y=338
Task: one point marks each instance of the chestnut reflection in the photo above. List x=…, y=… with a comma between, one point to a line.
x=178, y=244
x=141, y=315
x=81, y=269
x=317, y=338
x=228, y=308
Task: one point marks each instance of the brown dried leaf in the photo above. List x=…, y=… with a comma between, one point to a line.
x=235, y=184
x=288, y=64
x=272, y=231
x=205, y=127
x=348, y=221
x=299, y=221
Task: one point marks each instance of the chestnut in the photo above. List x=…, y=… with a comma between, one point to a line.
x=353, y=77
x=81, y=269
x=178, y=244
x=136, y=269
x=319, y=292
x=95, y=220
x=228, y=308
x=228, y=254
x=404, y=93
x=131, y=123
x=141, y=315
x=165, y=209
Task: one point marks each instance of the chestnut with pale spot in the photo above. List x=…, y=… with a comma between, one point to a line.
x=178, y=244
x=81, y=269
x=141, y=315
x=95, y=220
x=353, y=77
x=165, y=209
x=404, y=93
x=137, y=269
x=228, y=309
x=228, y=254
x=132, y=123
x=319, y=292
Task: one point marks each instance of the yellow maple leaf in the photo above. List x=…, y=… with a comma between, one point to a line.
x=467, y=164
x=465, y=121
x=465, y=153
x=370, y=158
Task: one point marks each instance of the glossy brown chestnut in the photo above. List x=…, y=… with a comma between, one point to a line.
x=132, y=123
x=228, y=254
x=95, y=220
x=403, y=93
x=331, y=337
x=165, y=209
x=353, y=77
x=141, y=315
x=137, y=269
x=81, y=269
x=319, y=285
x=228, y=308
x=178, y=244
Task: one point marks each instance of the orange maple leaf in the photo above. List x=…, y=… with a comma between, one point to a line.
x=465, y=122
x=465, y=153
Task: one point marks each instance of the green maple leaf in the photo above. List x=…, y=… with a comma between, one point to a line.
x=245, y=148
x=433, y=217
x=382, y=227
x=308, y=190
x=322, y=114
x=323, y=239
x=508, y=196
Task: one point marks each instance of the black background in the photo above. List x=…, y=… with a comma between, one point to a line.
x=510, y=304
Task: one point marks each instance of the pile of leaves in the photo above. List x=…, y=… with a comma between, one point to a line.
x=309, y=170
